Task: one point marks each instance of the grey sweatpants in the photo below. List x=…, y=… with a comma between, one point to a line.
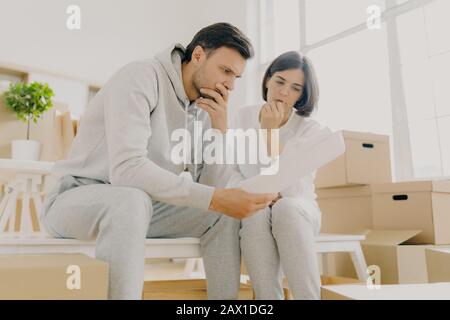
x=121, y=218
x=282, y=239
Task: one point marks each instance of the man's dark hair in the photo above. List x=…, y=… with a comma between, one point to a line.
x=220, y=35
x=294, y=60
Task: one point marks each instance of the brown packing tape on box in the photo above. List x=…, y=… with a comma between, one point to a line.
x=52, y=276
x=191, y=289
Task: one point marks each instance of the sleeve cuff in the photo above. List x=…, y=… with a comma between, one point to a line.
x=200, y=196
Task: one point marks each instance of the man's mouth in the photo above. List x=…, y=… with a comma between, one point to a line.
x=206, y=96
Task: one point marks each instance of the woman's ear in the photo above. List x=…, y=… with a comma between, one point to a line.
x=267, y=81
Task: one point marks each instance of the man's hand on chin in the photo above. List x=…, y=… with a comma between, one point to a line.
x=215, y=102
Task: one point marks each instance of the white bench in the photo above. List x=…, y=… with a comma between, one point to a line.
x=177, y=248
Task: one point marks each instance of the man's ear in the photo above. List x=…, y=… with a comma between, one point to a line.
x=198, y=54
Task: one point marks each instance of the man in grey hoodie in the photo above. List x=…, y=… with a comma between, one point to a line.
x=119, y=183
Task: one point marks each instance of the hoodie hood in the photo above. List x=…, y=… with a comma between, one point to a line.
x=171, y=59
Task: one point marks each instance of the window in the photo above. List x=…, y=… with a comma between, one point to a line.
x=369, y=79
x=354, y=84
x=325, y=18
x=280, y=29
x=425, y=63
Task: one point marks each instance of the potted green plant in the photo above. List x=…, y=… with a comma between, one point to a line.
x=29, y=102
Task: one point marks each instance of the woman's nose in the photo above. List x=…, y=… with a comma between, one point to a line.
x=284, y=91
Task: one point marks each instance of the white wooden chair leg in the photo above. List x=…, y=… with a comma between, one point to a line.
x=10, y=210
x=325, y=266
x=5, y=199
x=201, y=267
x=189, y=268
x=12, y=218
x=38, y=207
x=37, y=201
x=25, y=225
x=359, y=262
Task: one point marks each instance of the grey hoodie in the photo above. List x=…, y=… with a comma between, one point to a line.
x=124, y=135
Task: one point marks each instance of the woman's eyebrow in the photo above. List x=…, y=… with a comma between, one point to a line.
x=295, y=84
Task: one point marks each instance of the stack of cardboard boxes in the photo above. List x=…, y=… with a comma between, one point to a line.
x=400, y=220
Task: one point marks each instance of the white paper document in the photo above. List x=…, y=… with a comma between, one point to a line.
x=297, y=160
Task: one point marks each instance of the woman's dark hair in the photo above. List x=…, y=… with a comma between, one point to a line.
x=294, y=60
x=220, y=35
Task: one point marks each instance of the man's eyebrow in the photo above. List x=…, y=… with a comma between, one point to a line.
x=231, y=69
x=295, y=84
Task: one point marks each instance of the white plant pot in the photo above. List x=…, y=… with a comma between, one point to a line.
x=25, y=150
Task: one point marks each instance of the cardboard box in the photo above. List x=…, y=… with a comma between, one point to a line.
x=345, y=210
x=399, y=262
x=438, y=264
x=191, y=289
x=424, y=291
x=327, y=281
x=418, y=205
x=52, y=276
x=366, y=160
x=338, y=264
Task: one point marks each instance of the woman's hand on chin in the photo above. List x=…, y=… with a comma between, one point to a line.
x=272, y=115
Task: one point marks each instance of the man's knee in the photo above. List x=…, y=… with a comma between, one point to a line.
x=130, y=196
x=130, y=204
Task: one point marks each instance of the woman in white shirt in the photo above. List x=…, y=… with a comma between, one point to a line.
x=281, y=237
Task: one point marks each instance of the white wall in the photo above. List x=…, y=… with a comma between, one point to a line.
x=113, y=33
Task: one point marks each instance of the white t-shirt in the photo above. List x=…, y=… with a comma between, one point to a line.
x=295, y=130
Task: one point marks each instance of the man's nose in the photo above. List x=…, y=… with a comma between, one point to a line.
x=229, y=85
